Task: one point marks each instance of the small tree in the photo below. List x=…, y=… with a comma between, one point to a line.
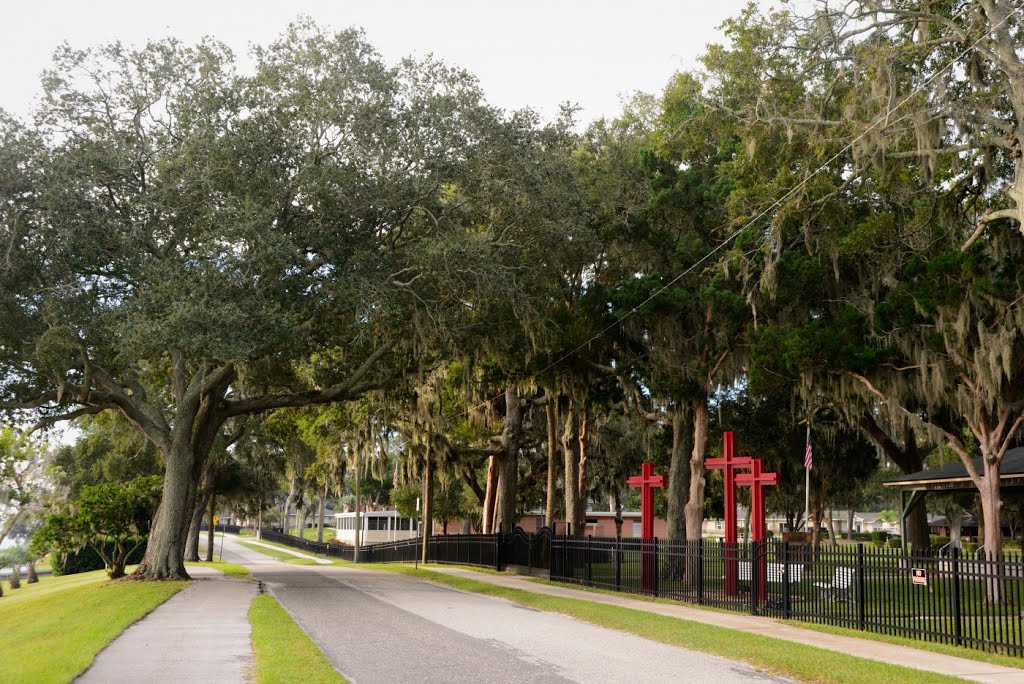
x=449, y=503
x=111, y=518
x=14, y=557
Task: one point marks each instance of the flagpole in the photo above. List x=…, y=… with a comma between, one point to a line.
x=807, y=499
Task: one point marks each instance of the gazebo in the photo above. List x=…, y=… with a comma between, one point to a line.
x=952, y=478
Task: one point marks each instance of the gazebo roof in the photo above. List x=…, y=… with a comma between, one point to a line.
x=954, y=476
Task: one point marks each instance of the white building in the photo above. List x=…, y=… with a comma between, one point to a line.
x=377, y=527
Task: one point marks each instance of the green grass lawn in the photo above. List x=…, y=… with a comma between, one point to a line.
x=279, y=554
x=310, y=533
x=56, y=627
x=229, y=569
x=284, y=652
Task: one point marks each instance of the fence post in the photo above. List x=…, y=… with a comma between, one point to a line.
x=618, y=563
x=785, y=581
x=957, y=616
x=565, y=556
x=700, y=567
x=590, y=569
x=861, y=584
x=755, y=578
x=497, y=552
x=655, y=569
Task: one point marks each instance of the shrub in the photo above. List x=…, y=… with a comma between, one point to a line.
x=87, y=559
x=879, y=538
x=111, y=519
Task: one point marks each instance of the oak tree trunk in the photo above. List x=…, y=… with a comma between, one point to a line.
x=508, y=463
x=991, y=505
x=490, y=494
x=694, y=509
x=164, y=557
x=830, y=525
x=581, y=475
x=428, y=513
x=551, y=412
x=678, y=479
x=570, y=451
x=320, y=516
x=192, y=544
x=211, y=530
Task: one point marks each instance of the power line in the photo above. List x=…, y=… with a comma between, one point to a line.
x=884, y=118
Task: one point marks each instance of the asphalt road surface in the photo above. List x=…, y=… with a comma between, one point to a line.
x=385, y=627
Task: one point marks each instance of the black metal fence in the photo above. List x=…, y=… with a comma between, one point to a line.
x=976, y=603
x=230, y=529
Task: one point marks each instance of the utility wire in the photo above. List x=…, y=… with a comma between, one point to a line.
x=883, y=119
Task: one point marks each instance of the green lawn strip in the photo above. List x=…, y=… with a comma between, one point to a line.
x=279, y=554
x=61, y=623
x=945, y=649
x=284, y=652
x=310, y=533
x=805, y=663
x=229, y=569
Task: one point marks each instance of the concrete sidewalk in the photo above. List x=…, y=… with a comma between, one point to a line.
x=201, y=634
x=864, y=648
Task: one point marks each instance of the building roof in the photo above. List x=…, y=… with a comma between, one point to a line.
x=954, y=476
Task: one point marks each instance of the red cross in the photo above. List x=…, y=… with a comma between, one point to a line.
x=729, y=463
x=758, y=480
x=647, y=481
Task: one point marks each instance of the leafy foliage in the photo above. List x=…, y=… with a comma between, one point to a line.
x=111, y=518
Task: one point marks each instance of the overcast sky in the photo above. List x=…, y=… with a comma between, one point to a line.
x=525, y=53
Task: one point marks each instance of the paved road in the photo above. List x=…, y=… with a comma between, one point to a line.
x=385, y=627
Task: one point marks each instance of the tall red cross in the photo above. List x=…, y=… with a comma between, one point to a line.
x=758, y=480
x=729, y=463
x=647, y=481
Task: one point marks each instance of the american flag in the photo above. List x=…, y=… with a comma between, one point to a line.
x=807, y=451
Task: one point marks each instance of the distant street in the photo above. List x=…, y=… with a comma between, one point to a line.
x=386, y=627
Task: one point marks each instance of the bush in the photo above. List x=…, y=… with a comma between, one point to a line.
x=1011, y=543
x=969, y=548
x=938, y=541
x=879, y=538
x=87, y=559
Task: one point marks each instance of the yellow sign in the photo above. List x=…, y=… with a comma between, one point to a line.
x=215, y=519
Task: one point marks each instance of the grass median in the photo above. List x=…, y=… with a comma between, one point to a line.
x=57, y=626
x=278, y=554
x=229, y=569
x=283, y=651
x=804, y=663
